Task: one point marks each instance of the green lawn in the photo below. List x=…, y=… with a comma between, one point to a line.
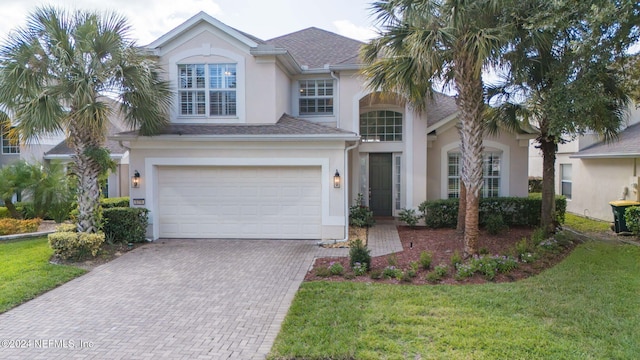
x=587, y=307
x=25, y=271
x=585, y=225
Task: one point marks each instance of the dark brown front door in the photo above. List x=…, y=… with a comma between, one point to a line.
x=380, y=184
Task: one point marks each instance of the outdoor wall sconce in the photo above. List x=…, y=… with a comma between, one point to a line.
x=135, y=179
x=336, y=179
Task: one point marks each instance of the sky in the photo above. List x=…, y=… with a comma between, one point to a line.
x=264, y=19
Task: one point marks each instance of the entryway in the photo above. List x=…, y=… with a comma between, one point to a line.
x=381, y=183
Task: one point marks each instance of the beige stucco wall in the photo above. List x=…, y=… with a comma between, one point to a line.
x=146, y=155
x=516, y=168
x=596, y=182
x=257, y=100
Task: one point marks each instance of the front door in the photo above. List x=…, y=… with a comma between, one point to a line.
x=380, y=181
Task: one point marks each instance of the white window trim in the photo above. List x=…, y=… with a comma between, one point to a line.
x=297, y=98
x=562, y=181
x=2, y=139
x=206, y=50
x=505, y=161
x=402, y=126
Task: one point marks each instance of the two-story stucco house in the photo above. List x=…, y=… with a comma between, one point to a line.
x=275, y=139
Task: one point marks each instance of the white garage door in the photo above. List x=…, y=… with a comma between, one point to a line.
x=239, y=202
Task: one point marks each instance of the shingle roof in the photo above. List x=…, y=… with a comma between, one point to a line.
x=440, y=108
x=628, y=145
x=115, y=125
x=287, y=125
x=315, y=48
x=113, y=146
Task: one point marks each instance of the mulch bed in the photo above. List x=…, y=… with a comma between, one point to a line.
x=443, y=243
x=108, y=252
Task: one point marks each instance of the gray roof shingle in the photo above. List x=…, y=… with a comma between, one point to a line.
x=440, y=108
x=114, y=126
x=315, y=48
x=286, y=125
x=628, y=145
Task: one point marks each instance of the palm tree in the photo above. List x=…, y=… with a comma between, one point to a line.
x=15, y=178
x=563, y=80
x=424, y=41
x=54, y=74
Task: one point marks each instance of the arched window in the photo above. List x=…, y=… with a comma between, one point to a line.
x=381, y=125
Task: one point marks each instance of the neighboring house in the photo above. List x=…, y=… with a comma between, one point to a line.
x=275, y=139
x=591, y=173
x=54, y=147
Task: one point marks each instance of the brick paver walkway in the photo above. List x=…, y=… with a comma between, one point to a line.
x=173, y=299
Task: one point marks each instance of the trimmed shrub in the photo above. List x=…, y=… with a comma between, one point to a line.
x=9, y=226
x=410, y=217
x=515, y=211
x=72, y=245
x=632, y=219
x=125, y=224
x=67, y=228
x=108, y=203
x=495, y=224
x=4, y=212
x=358, y=253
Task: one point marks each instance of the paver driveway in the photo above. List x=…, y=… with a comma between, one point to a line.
x=175, y=299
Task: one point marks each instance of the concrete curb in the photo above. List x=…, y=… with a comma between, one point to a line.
x=24, y=236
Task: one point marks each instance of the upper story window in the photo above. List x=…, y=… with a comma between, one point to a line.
x=10, y=145
x=381, y=125
x=490, y=174
x=316, y=97
x=207, y=89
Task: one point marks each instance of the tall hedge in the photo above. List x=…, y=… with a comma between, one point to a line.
x=515, y=211
x=125, y=224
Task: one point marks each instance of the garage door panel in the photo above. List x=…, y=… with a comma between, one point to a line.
x=240, y=202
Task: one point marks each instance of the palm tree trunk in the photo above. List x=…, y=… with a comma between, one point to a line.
x=12, y=209
x=87, y=170
x=462, y=208
x=470, y=100
x=548, y=208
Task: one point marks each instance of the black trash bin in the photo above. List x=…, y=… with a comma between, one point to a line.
x=619, y=207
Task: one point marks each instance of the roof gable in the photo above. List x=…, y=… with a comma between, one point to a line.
x=315, y=48
x=244, y=38
x=628, y=145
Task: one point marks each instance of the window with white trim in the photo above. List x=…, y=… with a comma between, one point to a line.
x=381, y=125
x=207, y=89
x=490, y=174
x=315, y=97
x=565, y=180
x=10, y=144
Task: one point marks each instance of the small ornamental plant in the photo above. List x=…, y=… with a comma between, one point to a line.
x=336, y=269
x=425, y=259
x=359, y=269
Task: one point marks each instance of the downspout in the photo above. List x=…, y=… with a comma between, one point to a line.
x=337, y=102
x=346, y=200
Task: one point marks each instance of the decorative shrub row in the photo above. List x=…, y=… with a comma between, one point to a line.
x=69, y=244
x=125, y=224
x=632, y=219
x=109, y=203
x=9, y=226
x=515, y=211
x=4, y=212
